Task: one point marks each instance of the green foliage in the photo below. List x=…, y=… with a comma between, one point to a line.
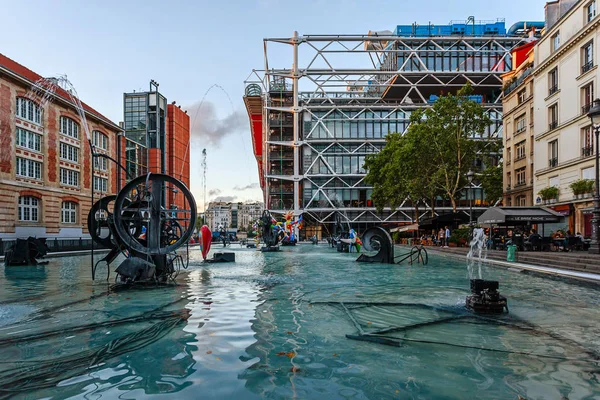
x=549, y=193
x=447, y=130
x=459, y=236
x=433, y=156
x=199, y=222
x=491, y=180
x=582, y=186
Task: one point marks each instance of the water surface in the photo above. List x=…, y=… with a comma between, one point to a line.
x=275, y=325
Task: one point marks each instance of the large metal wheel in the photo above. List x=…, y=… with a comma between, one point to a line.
x=144, y=225
x=99, y=221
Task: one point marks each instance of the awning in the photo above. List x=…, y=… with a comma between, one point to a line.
x=444, y=219
x=406, y=228
x=518, y=215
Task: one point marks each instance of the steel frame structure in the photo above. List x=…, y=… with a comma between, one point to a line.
x=382, y=76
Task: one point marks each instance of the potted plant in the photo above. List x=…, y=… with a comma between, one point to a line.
x=579, y=187
x=589, y=187
x=549, y=194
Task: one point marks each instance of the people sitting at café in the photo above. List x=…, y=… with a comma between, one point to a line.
x=534, y=241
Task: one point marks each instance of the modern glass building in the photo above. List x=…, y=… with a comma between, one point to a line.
x=315, y=120
x=144, y=119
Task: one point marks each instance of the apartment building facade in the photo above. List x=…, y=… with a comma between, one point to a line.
x=518, y=128
x=565, y=85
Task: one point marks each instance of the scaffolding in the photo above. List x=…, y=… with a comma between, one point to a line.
x=341, y=96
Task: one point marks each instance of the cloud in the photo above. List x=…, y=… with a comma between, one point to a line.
x=247, y=187
x=226, y=199
x=214, y=192
x=209, y=128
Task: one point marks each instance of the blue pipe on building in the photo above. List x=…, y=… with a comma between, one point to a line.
x=521, y=24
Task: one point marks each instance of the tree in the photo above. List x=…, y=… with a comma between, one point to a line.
x=491, y=181
x=453, y=132
x=432, y=157
x=199, y=222
x=398, y=173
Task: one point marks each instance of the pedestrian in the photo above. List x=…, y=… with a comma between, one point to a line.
x=441, y=237
x=447, y=235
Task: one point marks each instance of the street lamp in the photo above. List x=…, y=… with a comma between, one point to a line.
x=594, y=115
x=470, y=176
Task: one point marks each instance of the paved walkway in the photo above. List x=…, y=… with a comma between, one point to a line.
x=574, y=264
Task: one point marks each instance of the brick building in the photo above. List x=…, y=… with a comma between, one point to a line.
x=45, y=161
x=178, y=151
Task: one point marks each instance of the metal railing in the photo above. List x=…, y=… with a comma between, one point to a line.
x=552, y=90
x=56, y=245
x=587, y=151
x=552, y=125
x=587, y=66
x=585, y=109
x=553, y=162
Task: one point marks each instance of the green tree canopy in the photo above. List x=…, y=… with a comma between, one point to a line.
x=432, y=158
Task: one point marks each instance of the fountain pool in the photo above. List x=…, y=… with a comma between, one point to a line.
x=306, y=322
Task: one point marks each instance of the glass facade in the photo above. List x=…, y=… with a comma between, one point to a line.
x=136, y=157
x=135, y=118
x=145, y=128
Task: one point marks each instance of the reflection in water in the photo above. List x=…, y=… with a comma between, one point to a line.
x=275, y=325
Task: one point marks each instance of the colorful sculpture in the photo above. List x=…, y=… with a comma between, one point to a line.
x=205, y=240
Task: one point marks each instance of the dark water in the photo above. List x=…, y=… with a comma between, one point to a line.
x=274, y=325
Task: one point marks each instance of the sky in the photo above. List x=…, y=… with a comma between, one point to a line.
x=199, y=49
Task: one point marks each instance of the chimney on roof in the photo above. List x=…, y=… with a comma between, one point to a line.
x=173, y=103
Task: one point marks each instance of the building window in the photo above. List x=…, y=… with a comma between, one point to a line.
x=553, y=116
x=100, y=164
x=68, y=127
x=69, y=177
x=521, y=96
x=588, y=173
x=29, y=140
x=587, y=98
x=554, y=181
x=520, y=124
x=69, y=212
x=29, y=168
x=553, y=81
x=69, y=153
x=553, y=153
x=508, y=155
x=508, y=181
x=587, y=57
x=29, y=210
x=100, y=184
x=590, y=11
x=100, y=140
x=587, y=141
x=28, y=110
x=520, y=150
x=520, y=177
x=556, y=41
x=521, y=201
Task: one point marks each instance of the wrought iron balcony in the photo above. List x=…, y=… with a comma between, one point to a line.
x=552, y=125
x=587, y=66
x=520, y=184
x=587, y=151
x=553, y=162
x=585, y=109
x=520, y=157
x=552, y=90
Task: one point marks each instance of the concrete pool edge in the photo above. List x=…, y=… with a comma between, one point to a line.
x=585, y=276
